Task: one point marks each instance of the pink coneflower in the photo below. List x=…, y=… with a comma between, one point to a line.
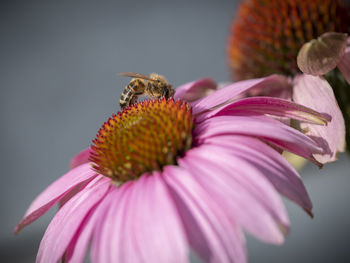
x=164, y=178
x=265, y=39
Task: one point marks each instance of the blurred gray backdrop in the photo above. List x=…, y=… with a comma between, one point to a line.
x=58, y=65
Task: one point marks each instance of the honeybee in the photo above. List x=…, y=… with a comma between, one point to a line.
x=155, y=86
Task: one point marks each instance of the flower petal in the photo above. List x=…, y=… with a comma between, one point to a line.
x=165, y=236
x=66, y=222
x=195, y=90
x=212, y=235
x=70, y=194
x=52, y=194
x=260, y=126
x=316, y=93
x=344, y=64
x=143, y=225
x=80, y=158
x=76, y=251
x=227, y=93
x=321, y=55
x=241, y=190
x=271, y=164
x=272, y=106
x=102, y=246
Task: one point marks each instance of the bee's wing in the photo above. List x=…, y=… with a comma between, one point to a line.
x=135, y=75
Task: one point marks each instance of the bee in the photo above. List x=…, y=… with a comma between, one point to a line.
x=154, y=86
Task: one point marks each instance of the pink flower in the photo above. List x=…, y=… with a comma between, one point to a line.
x=316, y=58
x=170, y=177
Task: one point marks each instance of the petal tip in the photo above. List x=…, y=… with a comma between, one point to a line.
x=18, y=228
x=309, y=212
x=285, y=229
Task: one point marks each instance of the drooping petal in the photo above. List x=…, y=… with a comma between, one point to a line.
x=107, y=240
x=321, y=55
x=143, y=225
x=271, y=164
x=211, y=234
x=277, y=91
x=101, y=246
x=57, y=190
x=242, y=191
x=164, y=240
x=272, y=106
x=76, y=251
x=259, y=126
x=344, y=64
x=195, y=90
x=227, y=93
x=70, y=194
x=316, y=93
x=80, y=158
x=66, y=222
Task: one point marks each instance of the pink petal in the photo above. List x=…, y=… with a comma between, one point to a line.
x=272, y=165
x=241, y=190
x=212, y=235
x=80, y=158
x=344, y=64
x=195, y=90
x=278, y=91
x=164, y=240
x=66, y=222
x=260, y=126
x=107, y=243
x=71, y=193
x=272, y=106
x=101, y=246
x=316, y=93
x=52, y=194
x=143, y=225
x=76, y=251
x=227, y=93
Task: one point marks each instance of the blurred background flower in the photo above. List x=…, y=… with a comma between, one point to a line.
x=266, y=35
x=59, y=62
x=266, y=38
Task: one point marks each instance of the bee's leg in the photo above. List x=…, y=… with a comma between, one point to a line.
x=168, y=92
x=138, y=87
x=155, y=90
x=133, y=100
x=150, y=89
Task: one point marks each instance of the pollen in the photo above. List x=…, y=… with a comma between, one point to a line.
x=266, y=35
x=142, y=138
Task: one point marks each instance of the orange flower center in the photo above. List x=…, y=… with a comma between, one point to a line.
x=142, y=138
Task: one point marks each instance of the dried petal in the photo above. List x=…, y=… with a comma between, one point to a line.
x=321, y=55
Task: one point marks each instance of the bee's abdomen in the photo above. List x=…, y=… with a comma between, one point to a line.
x=126, y=96
x=130, y=93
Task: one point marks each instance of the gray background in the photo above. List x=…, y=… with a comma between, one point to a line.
x=58, y=65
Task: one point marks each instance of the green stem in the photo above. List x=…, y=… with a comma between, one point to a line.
x=342, y=93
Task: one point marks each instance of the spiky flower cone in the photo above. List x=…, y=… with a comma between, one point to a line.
x=142, y=138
